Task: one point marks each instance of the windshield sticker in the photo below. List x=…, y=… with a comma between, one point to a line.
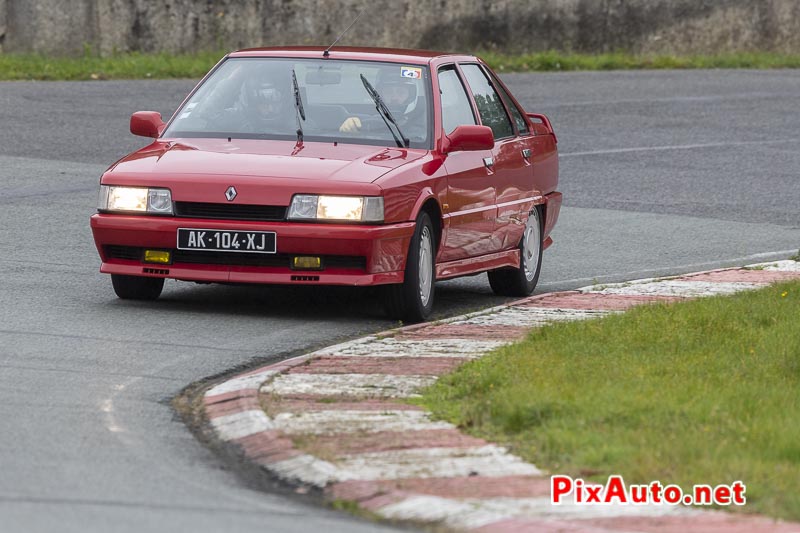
x=411, y=72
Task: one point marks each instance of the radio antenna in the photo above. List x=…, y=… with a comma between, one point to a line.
x=326, y=53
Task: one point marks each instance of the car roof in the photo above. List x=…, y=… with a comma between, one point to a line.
x=399, y=55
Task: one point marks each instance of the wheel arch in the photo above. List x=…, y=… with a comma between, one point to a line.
x=428, y=202
x=541, y=210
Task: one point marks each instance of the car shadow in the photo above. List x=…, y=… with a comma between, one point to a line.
x=274, y=301
x=318, y=303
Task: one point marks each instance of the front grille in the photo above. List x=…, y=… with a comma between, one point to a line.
x=133, y=253
x=230, y=211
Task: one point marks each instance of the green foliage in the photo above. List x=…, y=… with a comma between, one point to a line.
x=558, y=61
x=493, y=114
x=352, y=507
x=91, y=66
x=706, y=391
x=134, y=65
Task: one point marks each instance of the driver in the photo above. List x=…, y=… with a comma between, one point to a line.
x=266, y=103
x=399, y=96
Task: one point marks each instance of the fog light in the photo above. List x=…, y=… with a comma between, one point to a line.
x=306, y=263
x=157, y=256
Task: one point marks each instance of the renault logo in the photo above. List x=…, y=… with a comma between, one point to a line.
x=230, y=194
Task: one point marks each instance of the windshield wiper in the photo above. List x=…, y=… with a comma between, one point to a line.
x=385, y=114
x=298, y=105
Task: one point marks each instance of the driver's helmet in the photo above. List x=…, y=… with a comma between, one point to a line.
x=266, y=96
x=398, y=93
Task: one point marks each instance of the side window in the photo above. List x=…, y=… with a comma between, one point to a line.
x=491, y=109
x=456, y=109
x=516, y=114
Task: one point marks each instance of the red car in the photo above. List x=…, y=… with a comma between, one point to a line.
x=353, y=166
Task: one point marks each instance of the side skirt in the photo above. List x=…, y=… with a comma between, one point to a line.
x=474, y=265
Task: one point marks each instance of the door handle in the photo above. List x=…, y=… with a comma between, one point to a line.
x=489, y=162
x=526, y=153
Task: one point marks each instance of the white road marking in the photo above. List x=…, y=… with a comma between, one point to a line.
x=474, y=513
x=489, y=461
x=541, y=507
x=344, y=346
x=241, y=424
x=530, y=316
x=306, y=469
x=686, y=289
x=391, y=347
x=676, y=147
x=670, y=99
x=253, y=381
x=455, y=514
x=778, y=266
x=351, y=421
x=358, y=385
x=679, y=268
x=107, y=405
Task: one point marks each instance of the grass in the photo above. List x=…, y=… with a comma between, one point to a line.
x=160, y=66
x=119, y=66
x=352, y=507
x=556, y=61
x=706, y=391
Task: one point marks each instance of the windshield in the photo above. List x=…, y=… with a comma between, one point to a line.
x=254, y=98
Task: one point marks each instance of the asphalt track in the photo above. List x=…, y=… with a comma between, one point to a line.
x=663, y=172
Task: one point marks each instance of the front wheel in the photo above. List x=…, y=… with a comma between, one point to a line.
x=412, y=301
x=521, y=281
x=137, y=287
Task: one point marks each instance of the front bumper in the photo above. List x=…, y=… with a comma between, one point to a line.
x=383, y=249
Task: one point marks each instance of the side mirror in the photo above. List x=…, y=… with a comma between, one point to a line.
x=147, y=124
x=468, y=139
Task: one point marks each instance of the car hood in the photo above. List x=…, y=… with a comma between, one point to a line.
x=263, y=159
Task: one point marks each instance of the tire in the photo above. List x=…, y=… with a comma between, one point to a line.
x=522, y=280
x=412, y=301
x=137, y=287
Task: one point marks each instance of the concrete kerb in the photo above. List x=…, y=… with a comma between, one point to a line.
x=234, y=411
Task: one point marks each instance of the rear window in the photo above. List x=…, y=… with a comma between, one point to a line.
x=490, y=107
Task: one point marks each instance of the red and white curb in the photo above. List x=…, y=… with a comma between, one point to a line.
x=335, y=419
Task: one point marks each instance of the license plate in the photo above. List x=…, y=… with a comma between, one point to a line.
x=214, y=240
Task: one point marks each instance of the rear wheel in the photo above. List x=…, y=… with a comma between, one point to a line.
x=412, y=301
x=521, y=281
x=137, y=287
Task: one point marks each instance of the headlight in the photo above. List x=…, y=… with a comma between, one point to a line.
x=135, y=200
x=344, y=208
